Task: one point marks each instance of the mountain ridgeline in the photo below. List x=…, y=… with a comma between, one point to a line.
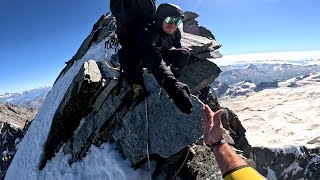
x=89, y=106
x=29, y=99
x=263, y=72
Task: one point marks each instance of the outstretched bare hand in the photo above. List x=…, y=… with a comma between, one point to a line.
x=212, y=125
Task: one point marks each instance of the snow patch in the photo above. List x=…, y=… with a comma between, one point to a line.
x=292, y=169
x=25, y=164
x=103, y=162
x=271, y=174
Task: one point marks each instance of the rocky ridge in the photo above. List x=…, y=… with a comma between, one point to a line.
x=91, y=113
x=15, y=115
x=262, y=72
x=97, y=107
x=12, y=119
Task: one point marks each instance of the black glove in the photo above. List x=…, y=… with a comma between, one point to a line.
x=181, y=97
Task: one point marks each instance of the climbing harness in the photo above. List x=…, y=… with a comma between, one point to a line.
x=113, y=43
x=147, y=133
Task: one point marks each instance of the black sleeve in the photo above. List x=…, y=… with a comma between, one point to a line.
x=177, y=39
x=117, y=9
x=147, y=43
x=152, y=57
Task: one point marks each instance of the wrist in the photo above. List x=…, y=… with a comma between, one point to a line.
x=216, y=144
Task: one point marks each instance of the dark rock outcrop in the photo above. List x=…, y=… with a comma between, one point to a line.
x=9, y=139
x=16, y=115
x=288, y=163
x=197, y=161
x=266, y=85
x=97, y=108
x=190, y=25
x=219, y=88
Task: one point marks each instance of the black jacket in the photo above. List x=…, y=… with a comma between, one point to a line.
x=153, y=40
x=132, y=15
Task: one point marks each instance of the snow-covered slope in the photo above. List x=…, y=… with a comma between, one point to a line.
x=265, y=72
x=286, y=115
x=108, y=162
x=31, y=98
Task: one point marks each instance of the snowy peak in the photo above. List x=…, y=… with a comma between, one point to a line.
x=247, y=87
x=31, y=98
x=265, y=72
x=252, y=67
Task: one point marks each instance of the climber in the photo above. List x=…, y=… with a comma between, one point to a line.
x=231, y=165
x=148, y=44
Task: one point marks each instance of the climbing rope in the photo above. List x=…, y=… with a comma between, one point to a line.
x=147, y=133
x=184, y=161
x=148, y=154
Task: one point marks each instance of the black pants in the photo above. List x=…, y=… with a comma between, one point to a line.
x=130, y=57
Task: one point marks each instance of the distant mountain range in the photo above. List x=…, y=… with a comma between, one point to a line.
x=30, y=99
x=257, y=73
x=241, y=79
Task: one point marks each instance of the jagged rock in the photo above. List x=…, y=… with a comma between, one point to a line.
x=266, y=85
x=315, y=141
x=75, y=105
x=219, y=88
x=170, y=130
x=199, y=74
x=203, y=164
x=198, y=44
x=199, y=162
x=119, y=118
x=190, y=25
x=202, y=47
x=288, y=162
x=9, y=139
x=100, y=124
x=16, y=115
x=12, y=119
x=101, y=29
x=97, y=108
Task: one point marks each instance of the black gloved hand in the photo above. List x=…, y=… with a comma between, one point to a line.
x=181, y=97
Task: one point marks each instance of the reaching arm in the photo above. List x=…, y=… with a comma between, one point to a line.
x=231, y=165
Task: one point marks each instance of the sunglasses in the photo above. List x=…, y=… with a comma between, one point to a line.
x=171, y=20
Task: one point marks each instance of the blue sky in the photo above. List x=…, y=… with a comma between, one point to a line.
x=38, y=36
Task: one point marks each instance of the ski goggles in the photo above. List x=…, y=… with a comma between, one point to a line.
x=171, y=20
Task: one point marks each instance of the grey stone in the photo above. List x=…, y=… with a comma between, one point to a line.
x=199, y=74
x=9, y=139
x=280, y=160
x=190, y=25
x=101, y=29
x=169, y=130
x=198, y=44
x=188, y=15
x=76, y=104
x=16, y=115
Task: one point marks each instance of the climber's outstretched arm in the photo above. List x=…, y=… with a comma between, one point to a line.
x=231, y=165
